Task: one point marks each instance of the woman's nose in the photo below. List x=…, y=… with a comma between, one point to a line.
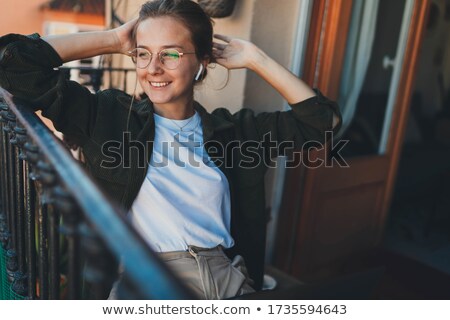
x=155, y=65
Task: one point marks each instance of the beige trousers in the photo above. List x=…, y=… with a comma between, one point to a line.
x=209, y=273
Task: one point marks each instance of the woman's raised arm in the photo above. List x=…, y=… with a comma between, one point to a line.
x=88, y=44
x=237, y=53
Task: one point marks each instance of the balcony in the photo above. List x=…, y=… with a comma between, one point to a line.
x=60, y=237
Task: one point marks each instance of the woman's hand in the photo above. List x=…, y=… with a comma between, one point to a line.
x=124, y=36
x=235, y=53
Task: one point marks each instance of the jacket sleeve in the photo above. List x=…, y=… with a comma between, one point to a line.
x=27, y=71
x=281, y=132
x=307, y=120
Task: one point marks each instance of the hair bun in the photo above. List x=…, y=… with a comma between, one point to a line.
x=217, y=8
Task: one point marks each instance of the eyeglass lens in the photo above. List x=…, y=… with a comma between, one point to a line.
x=170, y=58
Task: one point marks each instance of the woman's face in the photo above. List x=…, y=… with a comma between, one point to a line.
x=167, y=87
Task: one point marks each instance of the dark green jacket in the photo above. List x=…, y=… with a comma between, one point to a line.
x=27, y=71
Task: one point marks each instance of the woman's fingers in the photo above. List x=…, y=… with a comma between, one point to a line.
x=218, y=56
x=222, y=37
x=124, y=35
x=219, y=46
x=217, y=53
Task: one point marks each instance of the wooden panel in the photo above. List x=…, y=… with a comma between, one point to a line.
x=364, y=170
x=332, y=203
x=340, y=218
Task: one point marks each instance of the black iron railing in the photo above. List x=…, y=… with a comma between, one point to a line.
x=59, y=236
x=103, y=77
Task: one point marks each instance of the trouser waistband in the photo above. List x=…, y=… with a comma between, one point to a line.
x=192, y=252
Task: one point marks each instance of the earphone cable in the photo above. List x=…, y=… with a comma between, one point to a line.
x=131, y=103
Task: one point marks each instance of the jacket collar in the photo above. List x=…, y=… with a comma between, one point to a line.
x=211, y=123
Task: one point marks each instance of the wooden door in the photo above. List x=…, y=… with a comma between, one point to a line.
x=331, y=213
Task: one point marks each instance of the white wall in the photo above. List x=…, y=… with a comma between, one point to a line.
x=274, y=27
x=210, y=93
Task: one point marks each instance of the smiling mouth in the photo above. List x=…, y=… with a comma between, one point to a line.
x=159, y=84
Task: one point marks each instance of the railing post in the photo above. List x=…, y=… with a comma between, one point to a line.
x=19, y=285
x=55, y=275
x=4, y=230
x=100, y=267
x=43, y=248
x=12, y=267
x=30, y=155
x=70, y=228
x=6, y=234
x=125, y=76
x=3, y=208
x=48, y=233
x=96, y=79
x=11, y=121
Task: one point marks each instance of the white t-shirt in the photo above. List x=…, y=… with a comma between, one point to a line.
x=185, y=198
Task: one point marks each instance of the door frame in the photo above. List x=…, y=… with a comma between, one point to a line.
x=323, y=68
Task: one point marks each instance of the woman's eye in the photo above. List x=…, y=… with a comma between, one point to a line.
x=170, y=55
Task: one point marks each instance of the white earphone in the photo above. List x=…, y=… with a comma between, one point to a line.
x=199, y=73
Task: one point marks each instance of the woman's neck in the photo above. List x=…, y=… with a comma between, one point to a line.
x=175, y=111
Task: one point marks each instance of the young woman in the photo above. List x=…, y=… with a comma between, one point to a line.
x=196, y=201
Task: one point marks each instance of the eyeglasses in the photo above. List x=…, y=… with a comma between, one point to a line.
x=169, y=58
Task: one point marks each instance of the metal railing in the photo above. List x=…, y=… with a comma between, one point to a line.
x=59, y=236
x=102, y=77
